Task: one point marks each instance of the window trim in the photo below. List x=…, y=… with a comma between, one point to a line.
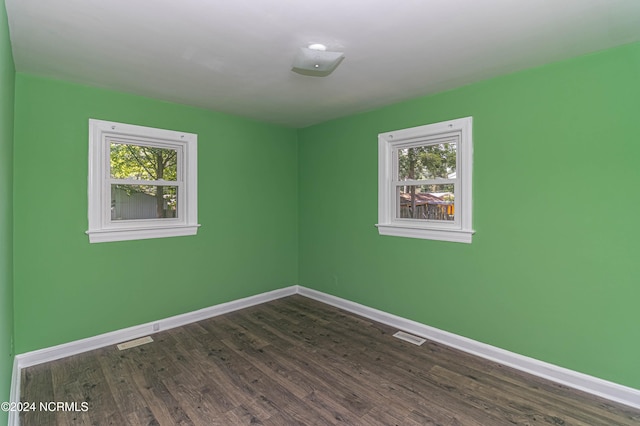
x=461, y=230
x=101, y=226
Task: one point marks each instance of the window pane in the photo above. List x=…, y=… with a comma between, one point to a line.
x=130, y=202
x=427, y=162
x=426, y=202
x=143, y=162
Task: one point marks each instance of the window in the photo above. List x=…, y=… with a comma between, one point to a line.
x=142, y=182
x=424, y=182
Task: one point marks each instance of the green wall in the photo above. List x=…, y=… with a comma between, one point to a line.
x=7, y=79
x=68, y=289
x=553, y=270
x=551, y=273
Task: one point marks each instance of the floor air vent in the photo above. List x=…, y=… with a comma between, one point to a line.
x=409, y=338
x=134, y=343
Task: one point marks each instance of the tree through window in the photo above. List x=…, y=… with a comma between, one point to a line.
x=427, y=163
x=142, y=182
x=424, y=181
x=148, y=165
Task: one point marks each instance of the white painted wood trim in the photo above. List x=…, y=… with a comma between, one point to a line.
x=40, y=356
x=458, y=231
x=603, y=388
x=101, y=227
x=14, y=393
x=451, y=235
x=593, y=385
x=90, y=343
x=103, y=236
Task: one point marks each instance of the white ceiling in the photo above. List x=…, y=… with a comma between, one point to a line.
x=235, y=55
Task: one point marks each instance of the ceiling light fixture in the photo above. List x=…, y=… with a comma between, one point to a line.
x=316, y=61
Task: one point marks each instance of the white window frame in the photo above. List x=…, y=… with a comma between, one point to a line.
x=101, y=227
x=460, y=230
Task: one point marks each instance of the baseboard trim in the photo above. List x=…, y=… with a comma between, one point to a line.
x=593, y=385
x=14, y=392
x=603, y=388
x=72, y=348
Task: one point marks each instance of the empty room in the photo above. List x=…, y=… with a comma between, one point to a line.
x=278, y=212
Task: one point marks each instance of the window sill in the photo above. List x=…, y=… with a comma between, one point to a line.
x=451, y=235
x=105, y=236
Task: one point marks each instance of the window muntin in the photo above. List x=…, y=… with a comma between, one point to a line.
x=143, y=162
x=142, y=182
x=429, y=161
x=425, y=181
x=136, y=202
x=434, y=203
x=426, y=185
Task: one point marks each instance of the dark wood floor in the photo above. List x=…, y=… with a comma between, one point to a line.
x=297, y=361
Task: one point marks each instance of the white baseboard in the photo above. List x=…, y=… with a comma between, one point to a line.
x=593, y=385
x=40, y=356
x=72, y=348
x=574, y=379
x=14, y=392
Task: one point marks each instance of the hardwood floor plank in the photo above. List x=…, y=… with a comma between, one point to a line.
x=72, y=391
x=330, y=408
x=241, y=415
x=37, y=383
x=298, y=361
x=460, y=360
x=80, y=379
x=118, y=375
x=198, y=406
x=148, y=368
x=389, y=415
x=330, y=346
